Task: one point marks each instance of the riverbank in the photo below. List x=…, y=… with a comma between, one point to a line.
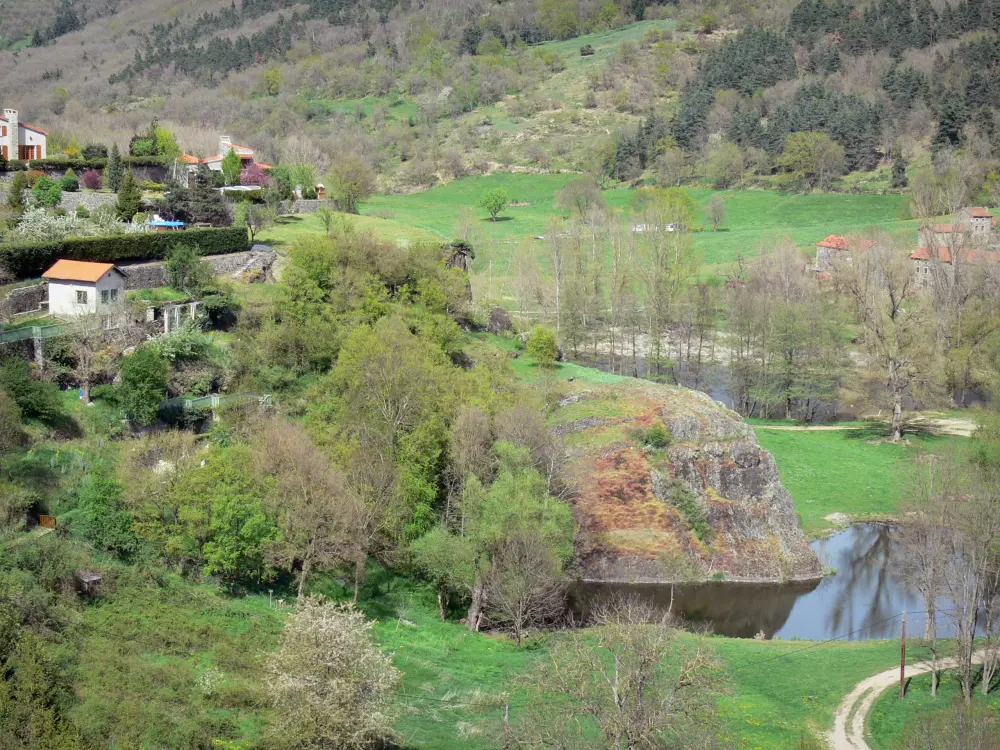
x=837, y=477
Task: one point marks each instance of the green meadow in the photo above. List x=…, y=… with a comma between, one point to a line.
x=755, y=219
x=852, y=471
x=889, y=716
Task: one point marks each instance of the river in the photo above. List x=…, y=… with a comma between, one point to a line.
x=860, y=601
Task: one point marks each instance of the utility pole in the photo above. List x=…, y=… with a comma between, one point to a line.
x=902, y=661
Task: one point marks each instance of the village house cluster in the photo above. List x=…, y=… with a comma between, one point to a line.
x=970, y=239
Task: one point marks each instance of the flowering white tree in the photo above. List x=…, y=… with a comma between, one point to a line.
x=329, y=682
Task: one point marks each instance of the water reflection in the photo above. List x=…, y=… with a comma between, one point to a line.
x=862, y=598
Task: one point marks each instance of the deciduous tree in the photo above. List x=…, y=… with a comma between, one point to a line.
x=330, y=684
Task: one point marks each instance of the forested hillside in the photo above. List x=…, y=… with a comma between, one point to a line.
x=790, y=95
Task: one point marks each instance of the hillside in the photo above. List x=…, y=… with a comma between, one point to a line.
x=671, y=94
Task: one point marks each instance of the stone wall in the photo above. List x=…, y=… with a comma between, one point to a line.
x=23, y=300
x=90, y=200
x=303, y=207
x=254, y=263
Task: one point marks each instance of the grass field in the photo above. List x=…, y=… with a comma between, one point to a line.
x=290, y=229
x=755, y=218
x=889, y=716
x=845, y=471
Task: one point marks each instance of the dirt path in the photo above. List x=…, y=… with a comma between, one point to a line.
x=937, y=425
x=849, y=721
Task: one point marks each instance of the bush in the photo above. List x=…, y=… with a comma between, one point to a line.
x=68, y=181
x=586, y=50
x=82, y=212
x=47, y=191
x=62, y=164
x=148, y=186
x=657, y=436
x=542, y=345
x=92, y=179
x=143, y=386
x=34, y=176
x=145, y=161
x=35, y=398
x=309, y=193
x=30, y=260
x=94, y=151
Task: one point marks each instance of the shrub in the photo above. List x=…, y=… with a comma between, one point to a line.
x=34, y=398
x=657, y=436
x=68, y=182
x=149, y=186
x=586, y=50
x=30, y=260
x=82, y=212
x=92, y=179
x=542, y=345
x=66, y=163
x=47, y=191
x=34, y=176
x=186, y=269
x=255, y=174
x=144, y=384
x=309, y=193
x=95, y=151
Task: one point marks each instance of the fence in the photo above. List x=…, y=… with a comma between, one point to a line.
x=215, y=402
x=31, y=332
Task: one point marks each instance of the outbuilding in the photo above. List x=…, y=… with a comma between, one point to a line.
x=82, y=288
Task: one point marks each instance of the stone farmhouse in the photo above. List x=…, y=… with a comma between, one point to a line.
x=971, y=239
x=19, y=140
x=836, y=248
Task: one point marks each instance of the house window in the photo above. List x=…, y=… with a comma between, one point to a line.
x=81, y=297
x=109, y=296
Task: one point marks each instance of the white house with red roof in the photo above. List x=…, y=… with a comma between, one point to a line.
x=82, y=288
x=214, y=162
x=19, y=140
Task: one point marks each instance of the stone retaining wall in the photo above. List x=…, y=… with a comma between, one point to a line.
x=142, y=174
x=304, y=206
x=89, y=200
x=254, y=263
x=23, y=300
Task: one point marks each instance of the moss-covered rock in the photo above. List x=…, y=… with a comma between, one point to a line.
x=699, y=499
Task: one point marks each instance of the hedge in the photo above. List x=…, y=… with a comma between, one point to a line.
x=62, y=165
x=146, y=161
x=28, y=261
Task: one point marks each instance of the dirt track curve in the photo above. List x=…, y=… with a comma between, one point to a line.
x=849, y=721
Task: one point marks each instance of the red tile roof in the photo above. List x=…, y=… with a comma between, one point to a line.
x=973, y=256
x=29, y=127
x=979, y=212
x=836, y=242
x=78, y=270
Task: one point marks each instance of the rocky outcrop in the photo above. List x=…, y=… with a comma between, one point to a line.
x=671, y=485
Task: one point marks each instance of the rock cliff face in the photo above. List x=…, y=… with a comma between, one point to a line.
x=670, y=485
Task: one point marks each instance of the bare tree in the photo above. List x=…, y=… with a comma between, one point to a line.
x=716, y=208
x=97, y=343
x=926, y=545
x=525, y=586
x=616, y=677
x=316, y=510
x=882, y=288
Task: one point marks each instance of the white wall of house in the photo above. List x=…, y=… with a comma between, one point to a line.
x=33, y=138
x=75, y=298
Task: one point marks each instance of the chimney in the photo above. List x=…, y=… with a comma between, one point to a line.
x=15, y=135
x=225, y=145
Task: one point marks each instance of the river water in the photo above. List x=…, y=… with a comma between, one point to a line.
x=860, y=601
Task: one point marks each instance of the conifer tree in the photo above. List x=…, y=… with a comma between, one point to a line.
x=129, y=198
x=115, y=169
